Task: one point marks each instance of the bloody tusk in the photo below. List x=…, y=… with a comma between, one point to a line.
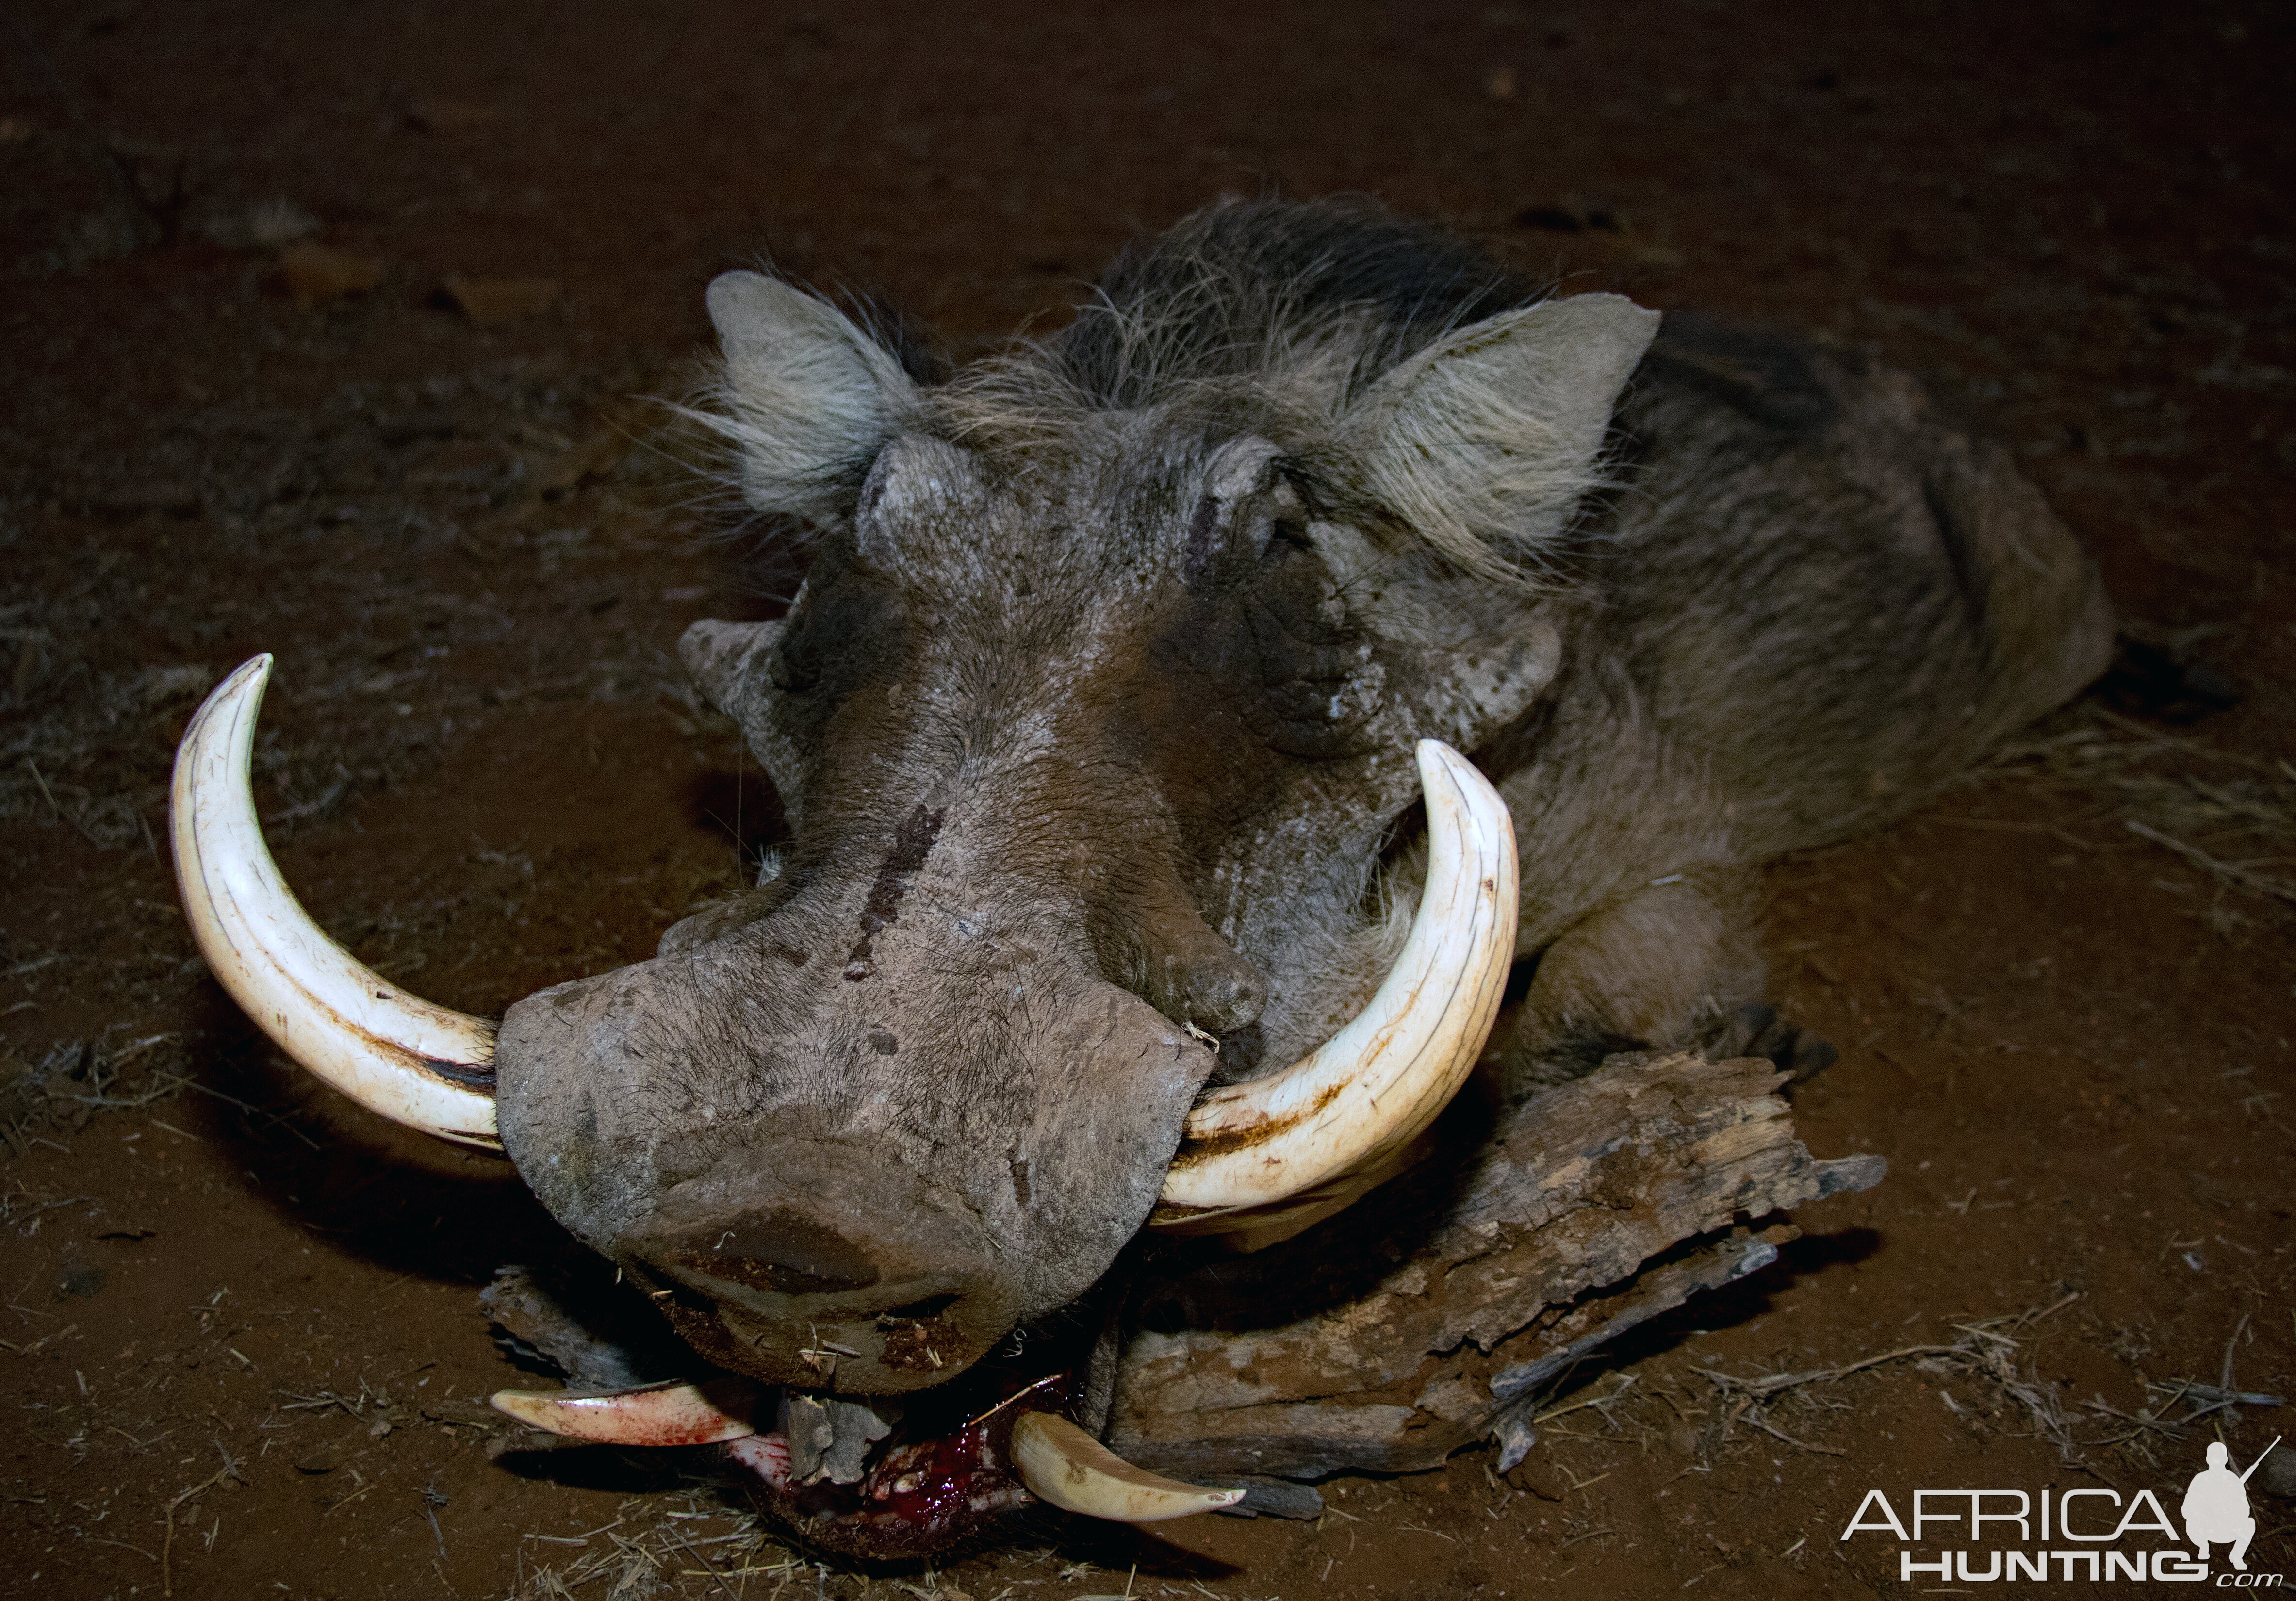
x=667, y=1414
x=1062, y=1463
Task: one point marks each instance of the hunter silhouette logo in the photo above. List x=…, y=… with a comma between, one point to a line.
x=2085, y=1533
x=2215, y=1505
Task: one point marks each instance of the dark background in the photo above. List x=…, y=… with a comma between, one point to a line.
x=322, y=324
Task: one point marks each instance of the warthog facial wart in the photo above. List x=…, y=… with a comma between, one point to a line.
x=1299, y=738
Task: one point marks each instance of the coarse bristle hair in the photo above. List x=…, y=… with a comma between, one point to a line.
x=1254, y=313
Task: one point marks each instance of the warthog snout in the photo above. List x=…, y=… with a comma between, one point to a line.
x=853, y=1140
x=803, y=1262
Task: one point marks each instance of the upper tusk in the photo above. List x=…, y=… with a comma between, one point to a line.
x=391, y=1052
x=667, y=1414
x=1062, y=1463
x=1355, y=1103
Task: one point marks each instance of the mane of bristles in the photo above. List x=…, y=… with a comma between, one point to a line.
x=1277, y=309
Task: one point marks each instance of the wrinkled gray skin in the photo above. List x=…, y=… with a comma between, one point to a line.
x=1095, y=720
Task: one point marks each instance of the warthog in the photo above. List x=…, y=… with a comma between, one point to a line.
x=1104, y=720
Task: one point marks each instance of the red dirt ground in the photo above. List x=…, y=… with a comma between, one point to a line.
x=242, y=1352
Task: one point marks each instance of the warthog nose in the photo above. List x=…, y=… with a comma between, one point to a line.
x=781, y=1251
x=809, y=1261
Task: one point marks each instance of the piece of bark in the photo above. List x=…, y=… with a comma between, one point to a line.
x=1264, y=1497
x=1437, y=1310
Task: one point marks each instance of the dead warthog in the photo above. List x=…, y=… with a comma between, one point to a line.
x=1102, y=721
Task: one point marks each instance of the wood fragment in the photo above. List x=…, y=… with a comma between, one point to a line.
x=1453, y=1300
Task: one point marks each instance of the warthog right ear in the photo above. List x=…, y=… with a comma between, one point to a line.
x=1485, y=442
x=807, y=398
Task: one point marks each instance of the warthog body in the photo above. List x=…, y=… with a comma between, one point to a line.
x=1094, y=719
x=1095, y=725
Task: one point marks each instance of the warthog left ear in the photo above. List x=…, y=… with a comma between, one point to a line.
x=1485, y=442
x=807, y=398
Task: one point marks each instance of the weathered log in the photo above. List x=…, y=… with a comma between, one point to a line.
x=1438, y=1310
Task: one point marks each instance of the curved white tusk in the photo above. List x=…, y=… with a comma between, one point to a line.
x=389, y=1051
x=1062, y=1463
x=667, y=1414
x=1278, y=1153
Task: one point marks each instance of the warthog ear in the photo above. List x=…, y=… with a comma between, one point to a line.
x=807, y=398
x=1486, y=440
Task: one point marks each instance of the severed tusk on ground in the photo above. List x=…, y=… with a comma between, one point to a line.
x=670, y=1414
x=1062, y=1463
x=1353, y=1104
x=389, y=1051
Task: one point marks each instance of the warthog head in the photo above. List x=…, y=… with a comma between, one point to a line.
x=1100, y=720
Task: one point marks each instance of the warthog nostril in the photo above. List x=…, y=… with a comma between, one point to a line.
x=780, y=1251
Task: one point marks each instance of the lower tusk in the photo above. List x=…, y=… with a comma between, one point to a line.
x=1276, y=1151
x=391, y=1052
x=1062, y=1463
x=670, y=1414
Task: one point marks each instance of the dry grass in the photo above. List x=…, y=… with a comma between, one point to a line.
x=651, y=1547
x=1987, y=1352
x=2230, y=814
x=1986, y=1376
x=655, y=1546
x=76, y=1078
